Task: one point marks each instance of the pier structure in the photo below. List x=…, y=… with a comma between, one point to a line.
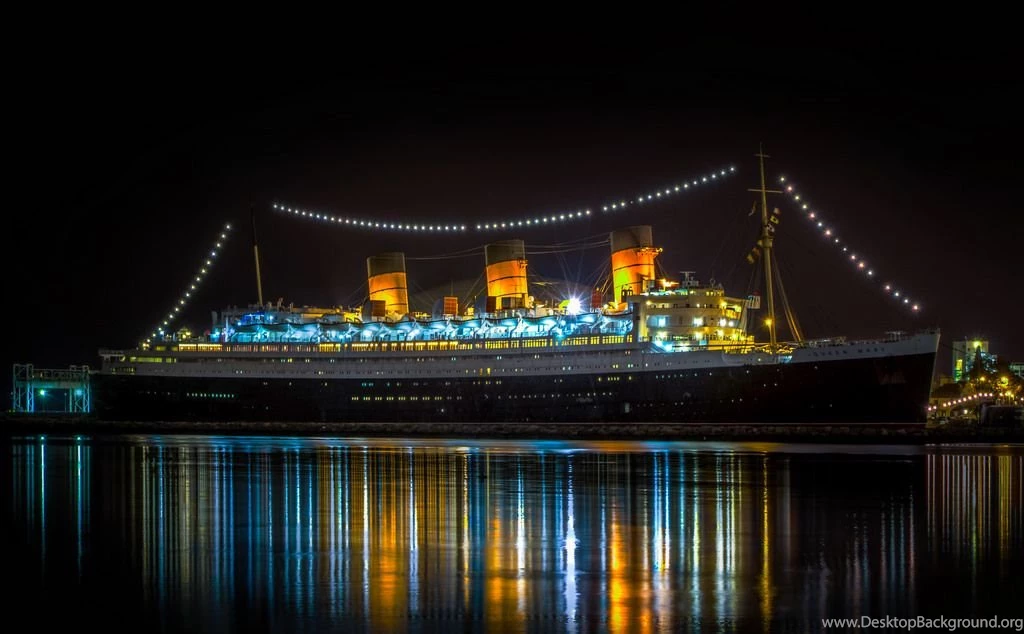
x=51, y=390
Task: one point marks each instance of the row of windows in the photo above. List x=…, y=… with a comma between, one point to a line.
x=403, y=346
x=407, y=398
x=528, y=364
x=480, y=371
x=832, y=353
x=530, y=396
x=152, y=359
x=541, y=370
x=208, y=395
x=473, y=358
x=370, y=384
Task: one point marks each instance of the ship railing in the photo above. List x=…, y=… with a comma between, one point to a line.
x=413, y=346
x=716, y=345
x=893, y=336
x=781, y=348
x=824, y=342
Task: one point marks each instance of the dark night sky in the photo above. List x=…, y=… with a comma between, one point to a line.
x=129, y=159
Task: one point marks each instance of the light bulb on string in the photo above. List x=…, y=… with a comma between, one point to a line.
x=458, y=227
x=192, y=285
x=859, y=262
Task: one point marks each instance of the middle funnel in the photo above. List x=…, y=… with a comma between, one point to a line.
x=506, y=273
x=385, y=275
x=632, y=260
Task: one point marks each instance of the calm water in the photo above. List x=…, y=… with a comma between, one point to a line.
x=232, y=534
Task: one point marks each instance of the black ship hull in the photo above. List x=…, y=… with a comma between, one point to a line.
x=867, y=390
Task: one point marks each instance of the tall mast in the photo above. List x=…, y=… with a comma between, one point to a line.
x=766, y=244
x=256, y=254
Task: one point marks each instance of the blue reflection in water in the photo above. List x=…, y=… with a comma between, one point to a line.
x=292, y=534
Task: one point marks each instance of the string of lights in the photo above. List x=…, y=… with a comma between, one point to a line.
x=545, y=220
x=193, y=285
x=829, y=232
x=968, y=400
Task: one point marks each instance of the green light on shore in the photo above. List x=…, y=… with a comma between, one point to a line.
x=42, y=392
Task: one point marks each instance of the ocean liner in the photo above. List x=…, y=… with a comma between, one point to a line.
x=659, y=351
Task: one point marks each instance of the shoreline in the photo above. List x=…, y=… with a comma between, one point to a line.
x=867, y=433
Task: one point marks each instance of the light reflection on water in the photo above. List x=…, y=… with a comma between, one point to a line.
x=221, y=533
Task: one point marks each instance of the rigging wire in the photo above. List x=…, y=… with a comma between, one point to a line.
x=360, y=291
x=472, y=292
x=579, y=244
x=567, y=249
x=753, y=282
x=791, y=321
x=732, y=231
x=412, y=285
x=478, y=250
x=602, y=277
x=825, y=317
x=736, y=261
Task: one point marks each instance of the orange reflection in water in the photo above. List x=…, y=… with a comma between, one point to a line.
x=625, y=536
